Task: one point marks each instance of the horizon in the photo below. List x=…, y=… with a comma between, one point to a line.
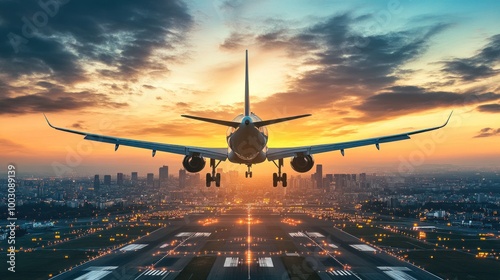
x=361, y=69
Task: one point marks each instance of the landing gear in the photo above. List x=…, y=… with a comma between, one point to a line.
x=277, y=177
x=248, y=173
x=213, y=177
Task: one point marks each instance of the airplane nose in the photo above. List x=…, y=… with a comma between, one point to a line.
x=247, y=122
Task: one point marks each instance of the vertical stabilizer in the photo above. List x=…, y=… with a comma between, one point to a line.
x=247, y=94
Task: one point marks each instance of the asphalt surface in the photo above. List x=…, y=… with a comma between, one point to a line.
x=244, y=244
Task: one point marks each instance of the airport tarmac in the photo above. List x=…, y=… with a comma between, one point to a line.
x=247, y=244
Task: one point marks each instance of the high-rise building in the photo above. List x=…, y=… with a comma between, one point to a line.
x=319, y=176
x=97, y=183
x=182, y=178
x=119, y=179
x=134, y=177
x=163, y=175
x=150, y=179
x=107, y=180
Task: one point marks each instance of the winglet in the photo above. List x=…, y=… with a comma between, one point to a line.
x=48, y=120
x=448, y=119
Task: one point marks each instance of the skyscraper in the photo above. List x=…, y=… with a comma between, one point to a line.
x=134, y=177
x=182, y=178
x=107, y=180
x=319, y=176
x=150, y=179
x=119, y=179
x=97, y=183
x=163, y=173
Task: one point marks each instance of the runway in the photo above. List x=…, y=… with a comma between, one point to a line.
x=247, y=244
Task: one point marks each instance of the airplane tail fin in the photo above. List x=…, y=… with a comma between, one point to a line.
x=247, y=94
x=247, y=109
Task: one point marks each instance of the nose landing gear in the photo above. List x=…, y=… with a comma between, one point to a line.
x=278, y=177
x=214, y=177
x=249, y=172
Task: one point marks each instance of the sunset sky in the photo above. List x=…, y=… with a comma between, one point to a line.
x=362, y=69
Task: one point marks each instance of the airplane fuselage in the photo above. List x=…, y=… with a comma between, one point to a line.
x=247, y=143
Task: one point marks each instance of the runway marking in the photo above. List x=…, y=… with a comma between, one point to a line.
x=231, y=262
x=333, y=246
x=155, y=272
x=94, y=275
x=193, y=234
x=340, y=272
x=315, y=234
x=363, y=247
x=297, y=234
x=100, y=268
x=133, y=247
x=164, y=245
x=292, y=254
x=397, y=268
x=266, y=262
x=397, y=272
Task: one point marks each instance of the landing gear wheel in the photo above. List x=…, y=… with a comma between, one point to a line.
x=217, y=180
x=209, y=180
x=277, y=177
x=212, y=177
x=275, y=180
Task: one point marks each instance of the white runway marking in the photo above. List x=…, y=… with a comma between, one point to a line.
x=266, y=262
x=193, y=234
x=363, y=247
x=340, y=272
x=292, y=254
x=397, y=272
x=100, y=268
x=315, y=234
x=297, y=234
x=231, y=262
x=133, y=247
x=154, y=272
x=333, y=246
x=94, y=275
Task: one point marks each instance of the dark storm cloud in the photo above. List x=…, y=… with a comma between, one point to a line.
x=346, y=62
x=478, y=66
x=120, y=34
x=55, y=101
x=489, y=108
x=400, y=100
x=487, y=132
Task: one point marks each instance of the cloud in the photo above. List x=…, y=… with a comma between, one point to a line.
x=487, y=132
x=401, y=100
x=122, y=35
x=55, y=100
x=478, y=66
x=489, y=108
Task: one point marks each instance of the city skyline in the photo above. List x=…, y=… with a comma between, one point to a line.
x=363, y=69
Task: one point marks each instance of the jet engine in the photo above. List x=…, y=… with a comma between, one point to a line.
x=302, y=163
x=193, y=164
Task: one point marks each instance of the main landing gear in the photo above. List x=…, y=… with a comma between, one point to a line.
x=248, y=173
x=213, y=177
x=277, y=177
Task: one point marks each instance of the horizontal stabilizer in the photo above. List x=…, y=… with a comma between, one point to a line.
x=269, y=122
x=221, y=122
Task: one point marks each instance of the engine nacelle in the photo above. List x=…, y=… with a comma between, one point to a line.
x=302, y=163
x=193, y=164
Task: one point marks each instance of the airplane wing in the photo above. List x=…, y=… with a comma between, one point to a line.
x=214, y=153
x=279, y=153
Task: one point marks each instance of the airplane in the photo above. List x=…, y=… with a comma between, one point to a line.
x=247, y=139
